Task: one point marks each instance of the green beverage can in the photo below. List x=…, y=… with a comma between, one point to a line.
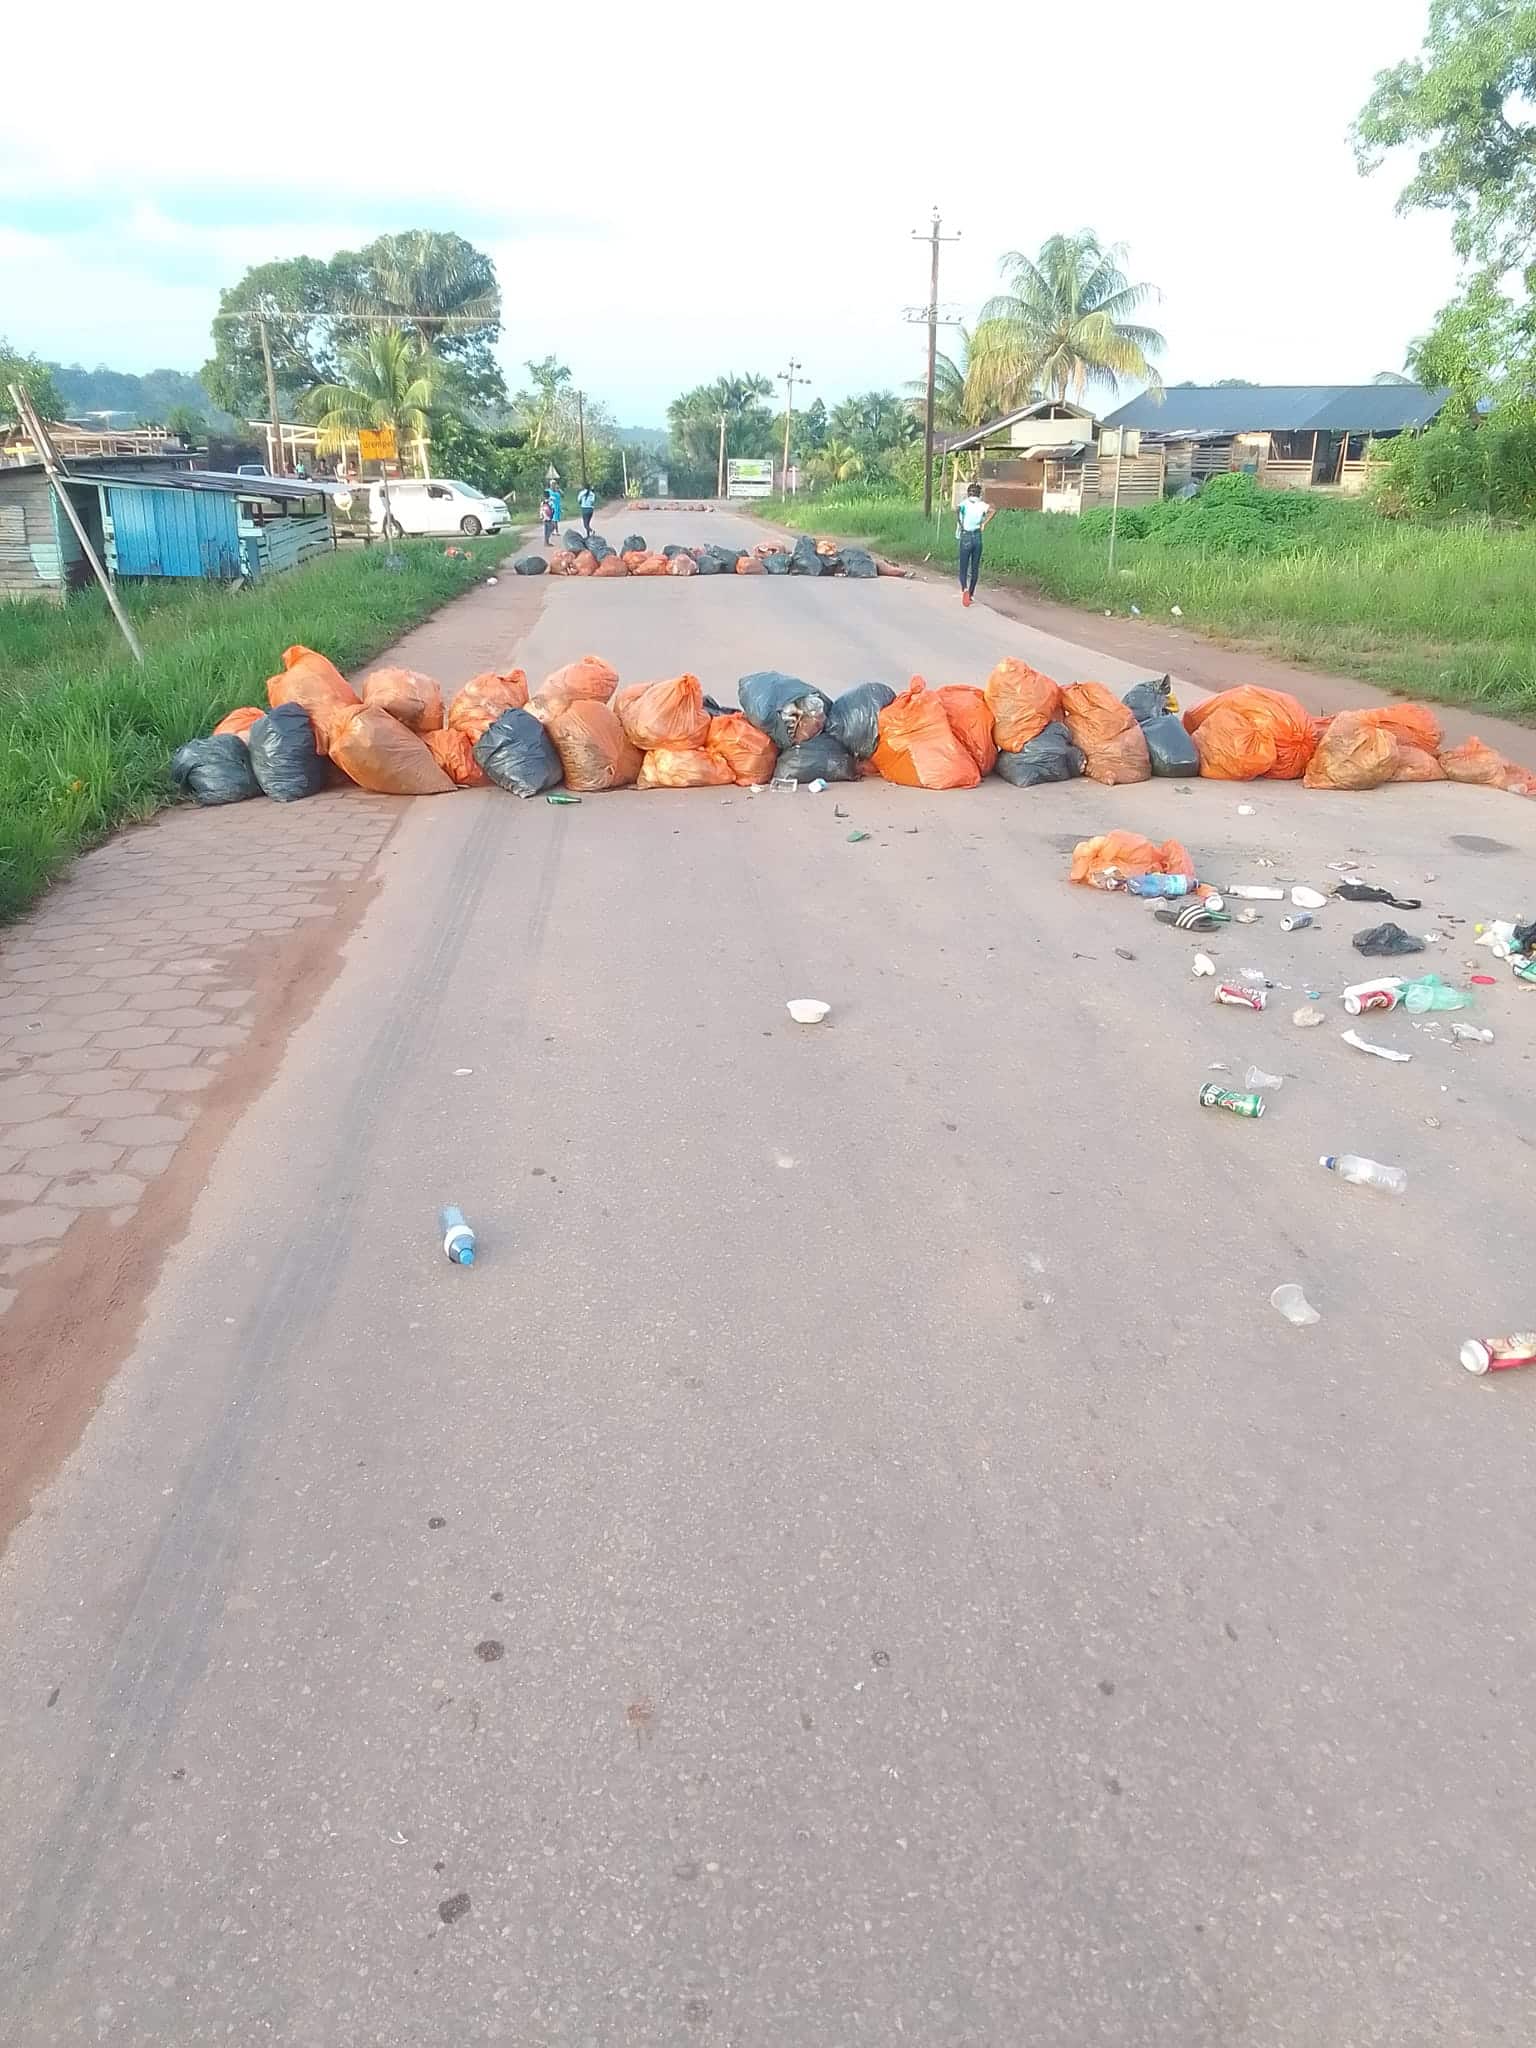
x=1214, y=1096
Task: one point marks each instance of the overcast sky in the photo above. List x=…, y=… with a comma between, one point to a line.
x=672, y=193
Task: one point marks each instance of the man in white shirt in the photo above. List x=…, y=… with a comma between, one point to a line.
x=586, y=504
x=973, y=515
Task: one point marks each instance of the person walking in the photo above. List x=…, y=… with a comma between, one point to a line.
x=557, y=504
x=547, y=514
x=586, y=501
x=972, y=517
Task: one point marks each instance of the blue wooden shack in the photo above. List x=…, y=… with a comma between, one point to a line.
x=201, y=523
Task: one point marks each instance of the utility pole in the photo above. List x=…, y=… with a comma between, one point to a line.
x=275, y=439
x=720, y=473
x=581, y=433
x=933, y=238
x=790, y=378
x=26, y=414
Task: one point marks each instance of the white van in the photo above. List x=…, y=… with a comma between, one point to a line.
x=435, y=505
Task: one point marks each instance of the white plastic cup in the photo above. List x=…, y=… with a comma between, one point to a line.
x=1294, y=1305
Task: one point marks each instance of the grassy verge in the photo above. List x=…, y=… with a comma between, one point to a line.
x=1436, y=611
x=86, y=734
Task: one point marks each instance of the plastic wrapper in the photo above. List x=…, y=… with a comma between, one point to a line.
x=1127, y=853
x=454, y=753
x=1049, y=757
x=238, y=722
x=683, y=768
x=284, y=757
x=666, y=714
x=822, y=757
x=854, y=717
x=593, y=751
x=309, y=679
x=484, y=698
x=1023, y=703
x=749, y=754
x=785, y=708
x=379, y=753
x=519, y=755
x=1112, y=744
x=216, y=770
x=413, y=699
x=1353, y=755
x=918, y=746
x=1170, y=750
x=970, y=718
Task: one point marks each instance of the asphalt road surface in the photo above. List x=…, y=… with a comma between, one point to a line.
x=859, y=1559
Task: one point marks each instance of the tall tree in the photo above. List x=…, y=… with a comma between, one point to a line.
x=970, y=387
x=384, y=381
x=1481, y=345
x=874, y=421
x=1465, y=102
x=34, y=376
x=537, y=409
x=836, y=462
x=444, y=290
x=298, y=298
x=1061, y=320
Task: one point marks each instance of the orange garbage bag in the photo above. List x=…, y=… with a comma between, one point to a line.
x=970, y=720
x=683, y=768
x=1233, y=747
x=454, y=753
x=613, y=565
x=669, y=714
x=240, y=722
x=559, y=564
x=1474, y=761
x=309, y=679
x=1281, y=715
x=1415, y=725
x=750, y=565
x=414, y=699
x=581, y=565
x=917, y=746
x=682, y=565
x=1023, y=704
x=749, y=754
x=1127, y=853
x=593, y=750
x=590, y=680
x=1353, y=755
x=484, y=698
x=381, y=754
x=1114, y=748
x=1417, y=764
x=648, y=565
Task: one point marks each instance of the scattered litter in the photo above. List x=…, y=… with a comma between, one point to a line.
x=1386, y=940
x=1182, y=789
x=1256, y=1077
x=1294, y=1305
x=1308, y=899
x=1257, y=977
x=1214, y=1096
x=1366, y=1173
x=1301, y=922
x=562, y=799
x=817, y=786
x=462, y=1070
x=1469, y=1034
x=1484, y=980
x=1382, y=1052
x=1218, y=1067
x=1255, y=892
x=1261, y=863
x=1429, y=992
x=1191, y=917
x=1237, y=998
x=1306, y=1018
x=1433, y=1122
x=838, y=811
x=1342, y=867
x=1384, y=993
x=784, y=785
x=1202, y=964
x=1248, y=916
x=855, y=837
x=458, y=1238
x=1247, y=810
x=1121, y=953
x=1135, y=611
x=1176, y=611
x=1499, y=1354
x=1367, y=892
x=491, y=582
x=805, y=1010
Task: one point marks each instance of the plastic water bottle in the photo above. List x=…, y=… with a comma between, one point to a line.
x=1365, y=1173
x=1160, y=885
x=458, y=1238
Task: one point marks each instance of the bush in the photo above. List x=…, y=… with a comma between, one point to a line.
x=1131, y=525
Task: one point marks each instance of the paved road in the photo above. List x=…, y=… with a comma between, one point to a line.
x=859, y=1560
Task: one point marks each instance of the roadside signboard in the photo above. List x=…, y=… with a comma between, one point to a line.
x=748, y=478
x=376, y=444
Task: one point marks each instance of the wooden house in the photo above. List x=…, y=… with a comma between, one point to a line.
x=1009, y=457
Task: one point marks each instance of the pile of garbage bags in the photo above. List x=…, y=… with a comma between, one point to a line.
x=585, y=729
x=591, y=555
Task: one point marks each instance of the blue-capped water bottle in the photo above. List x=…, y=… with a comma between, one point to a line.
x=1160, y=885
x=458, y=1238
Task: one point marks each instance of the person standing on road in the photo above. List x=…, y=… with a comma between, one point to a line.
x=972, y=517
x=586, y=501
x=557, y=502
x=547, y=514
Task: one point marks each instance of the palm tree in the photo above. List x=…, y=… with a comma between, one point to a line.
x=837, y=462
x=969, y=388
x=443, y=289
x=388, y=383
x=876, y=420
x=538, y=409
x=1060, y=320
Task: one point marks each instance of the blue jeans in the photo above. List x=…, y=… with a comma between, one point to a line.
x=970, y=561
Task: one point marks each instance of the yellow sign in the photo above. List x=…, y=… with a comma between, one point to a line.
x=376, y=444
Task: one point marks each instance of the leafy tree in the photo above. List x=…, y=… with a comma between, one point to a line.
x=1391, y=377
x=1061, y=319
x=970, y=387
x=34, y=376
x=298, y=298
x=1465, y=103
x=444, y=290
x=838, y=462
x=693, y=421
x=1479, y=342
x=385, y=381
x=874, y=421
x=537, y=408
x=187, y=423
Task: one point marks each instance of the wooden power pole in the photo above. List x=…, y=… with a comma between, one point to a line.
x=276, y=440
x=931, y=316
x=581, y=433
x=789, y=378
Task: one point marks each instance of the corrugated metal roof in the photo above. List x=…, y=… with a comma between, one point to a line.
x=1221, y=409
x=215, y=481
x=951, y=443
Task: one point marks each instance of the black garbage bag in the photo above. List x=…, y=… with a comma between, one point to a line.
x=708, y=561
x=776, y=565
x=783, y=707
x=823, y=756
x=634, y=544
x=216, y=770
x=675, y=547
x=803, y=558
x=284, y=757
x=1371, y=892
x=573, y=542
x=597, y=546
x=518, y=754
x=854, y=719
x=726, y=557
x=721, y=710
x=1523, y=938
x=1170, y=749
x=1148, y=700
x=1049, y=757
x=858, y=562
x=529, y=565
x=1384, y=941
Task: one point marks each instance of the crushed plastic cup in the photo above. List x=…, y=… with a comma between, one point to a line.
x=1257, y=1078
x=1308, y=899
x=806, y=1010
x=1202, y=964
x=1294, y=1305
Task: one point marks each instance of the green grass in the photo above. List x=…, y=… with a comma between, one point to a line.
x=1441, y=611
x=86, y=734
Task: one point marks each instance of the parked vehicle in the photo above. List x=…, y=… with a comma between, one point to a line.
x=436, y=505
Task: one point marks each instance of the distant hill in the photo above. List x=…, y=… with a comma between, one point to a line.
x=132, y=398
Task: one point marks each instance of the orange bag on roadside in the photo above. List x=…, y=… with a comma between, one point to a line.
x=454, y=753
x=1023, y=703
x=970, y=720
x=613, y=565
x=414, y=699
x=381, y=754
x=1282, y=717
x=239, y=722
x=309, y=679
x=917, y=746
x=749, y=754
x=590, y=680
x=1235, y=748
x=669, y=714
x=1353, y=755
x=1416, y=764
x=683, y=768
x=559, y=564
x=682, y=565
x=1415, y=725
x=1128, y=854
x=750, y=565
x=1474, y=761
x=484, y=698
x=593, y=750
x=1114, y=747
x=648, y=565
x=581, y=565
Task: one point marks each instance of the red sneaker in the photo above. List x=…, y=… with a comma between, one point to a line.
x=965, y=597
